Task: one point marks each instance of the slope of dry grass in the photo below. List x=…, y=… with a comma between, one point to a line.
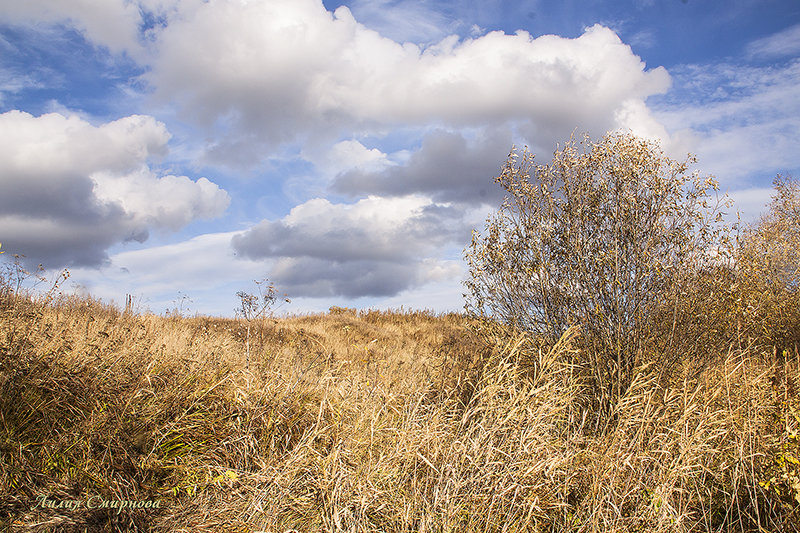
x=375, y=421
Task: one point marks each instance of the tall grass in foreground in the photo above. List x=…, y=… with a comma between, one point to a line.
x=377, y=422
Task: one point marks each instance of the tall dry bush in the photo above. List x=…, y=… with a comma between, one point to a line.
x=768, y=271
x=754, y=300
x=599, y=238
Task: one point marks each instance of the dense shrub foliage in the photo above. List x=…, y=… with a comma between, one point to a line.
x=599, y=238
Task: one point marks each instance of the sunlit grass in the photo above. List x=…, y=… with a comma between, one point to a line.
x=375, y=421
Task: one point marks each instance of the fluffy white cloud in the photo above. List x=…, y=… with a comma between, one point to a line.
x=349, y=155
x=447, y=167
x=110, y=23
x=53, y=144
x=271, y=72
x=371, y=229
x=70, y=189
x=375, y=247
x=258, y=74
x=168, y=202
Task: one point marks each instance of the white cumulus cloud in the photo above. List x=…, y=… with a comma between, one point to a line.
x=261, y=73
x=70, y=189
x=110, y=23
x=374, y=247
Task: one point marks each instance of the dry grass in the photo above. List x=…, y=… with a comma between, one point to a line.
x=375, y=422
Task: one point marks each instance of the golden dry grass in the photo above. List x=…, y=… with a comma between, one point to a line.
x=376, y=421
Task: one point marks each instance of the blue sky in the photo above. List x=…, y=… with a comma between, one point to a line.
x=176, y=150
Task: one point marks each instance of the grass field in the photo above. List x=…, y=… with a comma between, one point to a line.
x=374, y=421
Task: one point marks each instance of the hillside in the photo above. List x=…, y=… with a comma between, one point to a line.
x=373, y=421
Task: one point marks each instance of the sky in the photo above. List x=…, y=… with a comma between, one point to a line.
x=179, y=150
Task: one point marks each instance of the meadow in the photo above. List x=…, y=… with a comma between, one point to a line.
x=356, y=421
